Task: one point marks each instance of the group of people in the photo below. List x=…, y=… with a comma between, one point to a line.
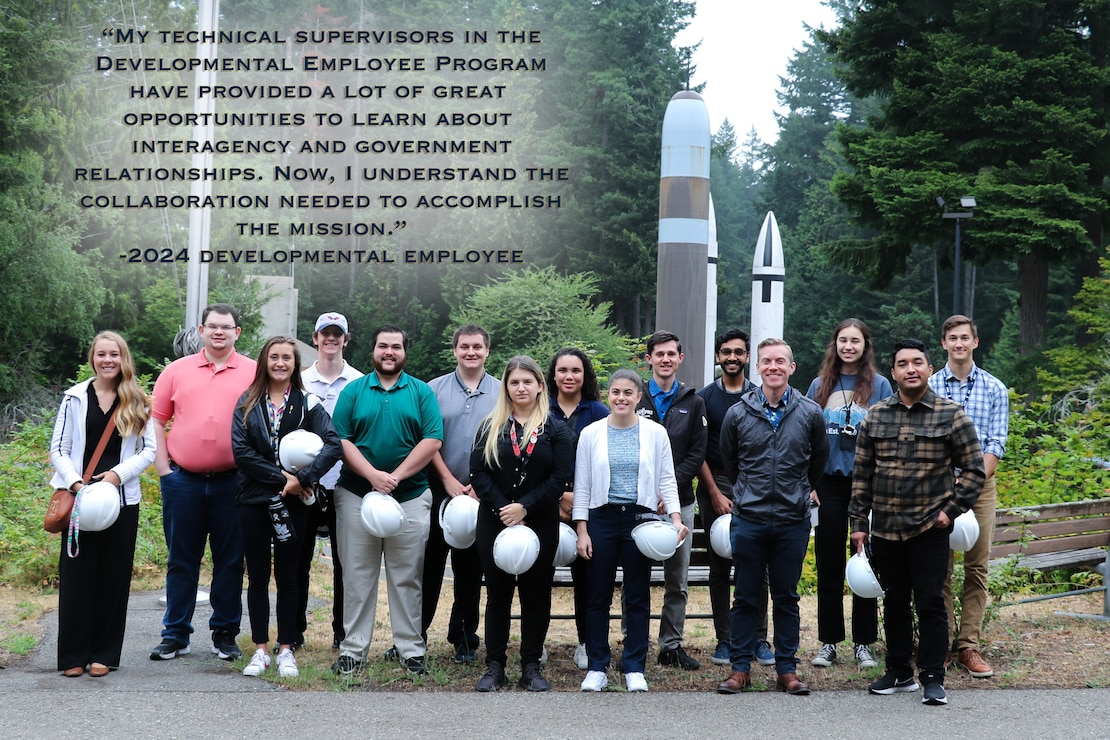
x=894, y=469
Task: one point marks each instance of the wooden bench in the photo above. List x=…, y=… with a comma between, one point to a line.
x=1055, y=536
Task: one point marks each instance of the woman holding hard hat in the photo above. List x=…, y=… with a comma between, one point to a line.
x=520, y=466
x=110, y=411
x=623, y=471
x=271, y=497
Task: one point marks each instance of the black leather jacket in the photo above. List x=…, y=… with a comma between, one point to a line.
x=260, y=475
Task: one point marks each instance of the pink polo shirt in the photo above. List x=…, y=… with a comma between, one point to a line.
x=200, y=400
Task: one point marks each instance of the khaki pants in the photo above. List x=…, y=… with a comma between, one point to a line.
x=973, y=600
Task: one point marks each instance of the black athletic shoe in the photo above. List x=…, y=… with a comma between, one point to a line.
x=223, y=645
x=168, y=649
x=494, y=680
x=934, y=694
x=678, y=657
x=891, y=684
x=345, y=665
x=416, y=665
x=532, y=679
x=465, y=654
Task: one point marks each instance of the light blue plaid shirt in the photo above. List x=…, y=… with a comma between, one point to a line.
x=985, y=399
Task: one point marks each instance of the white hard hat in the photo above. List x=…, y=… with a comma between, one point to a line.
x=720, y=536
x=97, y=506
x=458, y=518
x=298, y=449
x=568, y=546
x=382, y=515
x=516, y=548
x=861, y=578
x=655, y=539
x=965, y=531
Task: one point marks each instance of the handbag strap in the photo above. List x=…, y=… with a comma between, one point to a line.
x=101, y=445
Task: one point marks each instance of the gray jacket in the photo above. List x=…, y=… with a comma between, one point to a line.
x=773, y=471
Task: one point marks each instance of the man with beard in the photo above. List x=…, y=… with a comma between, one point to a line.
x=732, y=352
x=391, y=429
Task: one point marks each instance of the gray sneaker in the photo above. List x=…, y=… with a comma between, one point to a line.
x=825, y=657
x=934, y=694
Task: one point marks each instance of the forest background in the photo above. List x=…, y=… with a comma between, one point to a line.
x=899, y=104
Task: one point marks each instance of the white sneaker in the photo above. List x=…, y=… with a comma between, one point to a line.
x=287, y=664
x=595, y=681
x=581, y=659
x=260, y=661
x=635, y=682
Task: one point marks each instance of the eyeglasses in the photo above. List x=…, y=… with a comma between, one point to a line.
x=220, y=327
x=729, y=352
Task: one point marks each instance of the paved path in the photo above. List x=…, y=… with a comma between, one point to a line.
x=198, y=696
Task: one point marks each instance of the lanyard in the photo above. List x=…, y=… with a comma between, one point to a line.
x=522, y=457
x=967, y=394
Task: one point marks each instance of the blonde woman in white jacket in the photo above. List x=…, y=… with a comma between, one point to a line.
x=93, y=586
x=623, y=473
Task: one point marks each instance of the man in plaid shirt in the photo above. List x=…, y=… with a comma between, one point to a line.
x=987, y=401
x=907, y=451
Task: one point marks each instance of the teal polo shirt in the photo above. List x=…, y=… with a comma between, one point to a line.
x=386, y=425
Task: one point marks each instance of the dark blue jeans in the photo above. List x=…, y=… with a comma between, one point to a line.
x=610, y=529
x=196, y=509
x=915, y=568
x=777, y=549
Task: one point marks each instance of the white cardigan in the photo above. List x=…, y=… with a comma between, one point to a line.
x=67, y=446
x=656, y=474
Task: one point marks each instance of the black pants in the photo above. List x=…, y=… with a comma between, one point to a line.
x=467, y=571
x=316, y=520
x=92, y=593
x=534, y=586
x=258, y=535
x=915, y=568
x=831, y=548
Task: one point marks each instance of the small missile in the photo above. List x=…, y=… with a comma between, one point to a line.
x=711, y=295
x=684, y=230
x=768, y=280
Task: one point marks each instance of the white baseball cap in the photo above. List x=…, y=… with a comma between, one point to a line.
x=331, y=319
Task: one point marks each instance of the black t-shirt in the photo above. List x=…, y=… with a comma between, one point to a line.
x=96, y=421
x=717, y=402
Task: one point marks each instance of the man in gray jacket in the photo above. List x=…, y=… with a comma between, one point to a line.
x=773, y=449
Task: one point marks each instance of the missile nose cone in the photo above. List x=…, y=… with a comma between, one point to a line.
x=768, y=258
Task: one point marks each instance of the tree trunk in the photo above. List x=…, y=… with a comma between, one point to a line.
x=968, y=298
x=1032, y=301
x=936, y=288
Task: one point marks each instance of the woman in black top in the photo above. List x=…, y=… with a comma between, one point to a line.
x=519, y=471
x=274, y=405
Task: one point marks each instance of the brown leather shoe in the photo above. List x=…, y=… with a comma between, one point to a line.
x=74, y=672
x=736, y=682
x=972, y=660
x=791, y=684
x=96, y=670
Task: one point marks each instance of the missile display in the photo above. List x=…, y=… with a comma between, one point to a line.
x=684, y=205
x=711, y=295
x=768, y=280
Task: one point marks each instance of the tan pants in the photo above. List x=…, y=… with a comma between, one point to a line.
x=973, y=600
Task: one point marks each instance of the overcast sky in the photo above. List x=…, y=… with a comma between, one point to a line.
x=745, y=47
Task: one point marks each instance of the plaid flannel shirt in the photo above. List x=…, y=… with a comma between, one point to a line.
x=904, y=469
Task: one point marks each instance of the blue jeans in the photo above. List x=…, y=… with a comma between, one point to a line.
x=777, y=550
x=195, y=509
x=610, y=529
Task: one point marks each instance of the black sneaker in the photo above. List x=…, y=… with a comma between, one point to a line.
x=532, y=679
x=494, y=680
x=416, y=666
x=934, y=694
x=223, y=645
x=678, y=657
x=345, y=665
x=891, y=684
x=335, y=643
x=465, y=654
x=392, y=654
x=168, y=649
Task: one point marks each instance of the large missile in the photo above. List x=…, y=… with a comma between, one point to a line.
x=684, y=230
x=768, y=280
